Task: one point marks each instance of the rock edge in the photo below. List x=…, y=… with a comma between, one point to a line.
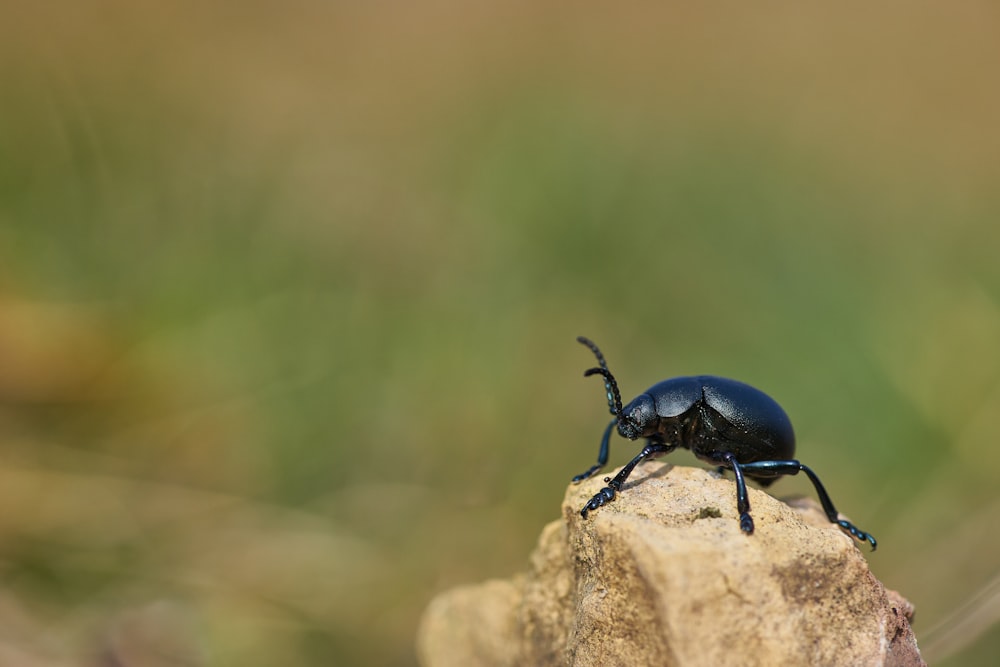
x=664, y=576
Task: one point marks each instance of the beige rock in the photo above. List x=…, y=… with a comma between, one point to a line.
x=664, y=576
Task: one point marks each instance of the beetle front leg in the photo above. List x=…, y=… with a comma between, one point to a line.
x=607, y=494
x=602, y=456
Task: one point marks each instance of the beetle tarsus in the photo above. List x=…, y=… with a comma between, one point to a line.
x=857, y=533
x=605, y=495
x=590, y=472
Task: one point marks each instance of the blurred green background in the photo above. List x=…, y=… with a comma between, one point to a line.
x=289, y=292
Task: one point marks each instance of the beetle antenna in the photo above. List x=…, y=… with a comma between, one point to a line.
x=614, y=397
x=610, y=384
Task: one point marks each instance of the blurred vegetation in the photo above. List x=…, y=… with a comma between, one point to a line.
x=288, y=295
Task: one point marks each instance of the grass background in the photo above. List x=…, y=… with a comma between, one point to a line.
x=289, y=292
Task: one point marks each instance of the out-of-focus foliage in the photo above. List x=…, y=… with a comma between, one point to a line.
x=288, y=294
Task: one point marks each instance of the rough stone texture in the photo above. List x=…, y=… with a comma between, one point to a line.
x=664, y=576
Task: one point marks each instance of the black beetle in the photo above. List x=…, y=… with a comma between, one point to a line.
x=722, y=421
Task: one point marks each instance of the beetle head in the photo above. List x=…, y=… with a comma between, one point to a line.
x=635, y=419
x=638, y=418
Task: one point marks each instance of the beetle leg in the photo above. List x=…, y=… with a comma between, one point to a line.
x=791, y=467
x=602, y=456
x=742, y=497
x=607, y=494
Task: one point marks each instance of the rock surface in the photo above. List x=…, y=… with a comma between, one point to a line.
x=663, y=576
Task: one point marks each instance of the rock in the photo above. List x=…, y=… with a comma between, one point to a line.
x=663, y=575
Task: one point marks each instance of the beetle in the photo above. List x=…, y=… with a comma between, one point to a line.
x=724, y=422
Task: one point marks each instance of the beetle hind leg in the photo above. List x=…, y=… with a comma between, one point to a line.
x=767, y=470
